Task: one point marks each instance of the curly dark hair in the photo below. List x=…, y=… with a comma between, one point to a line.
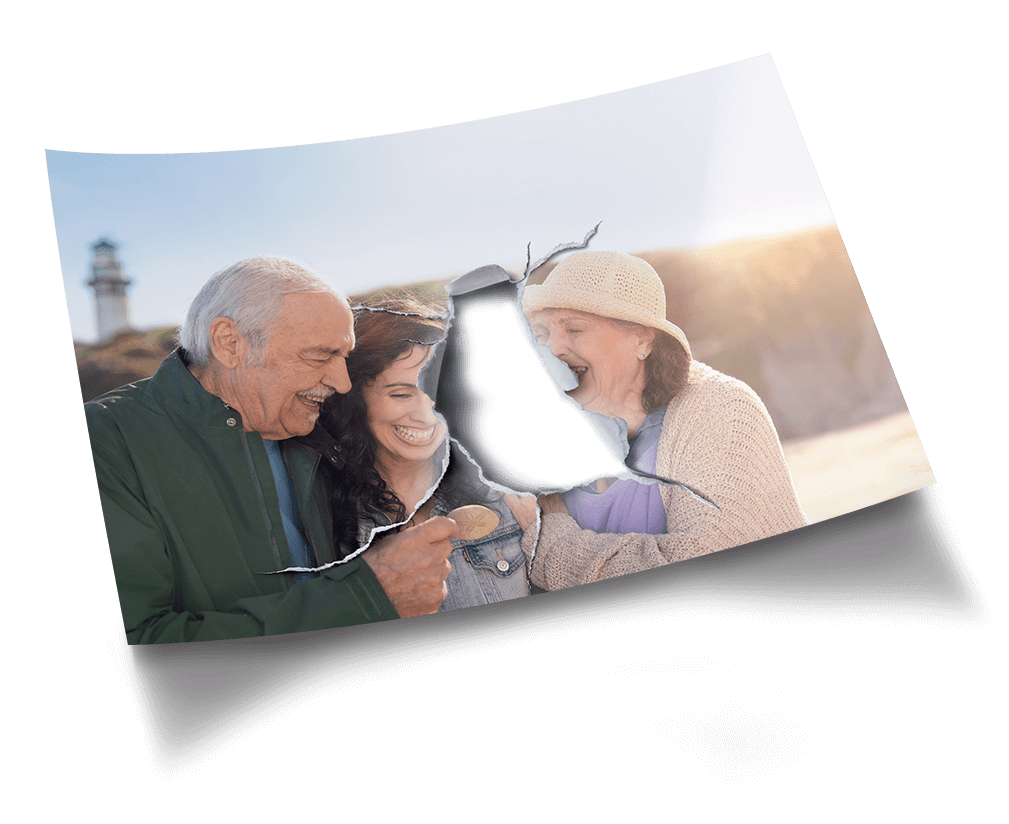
x=667, y=368
x=386, y=332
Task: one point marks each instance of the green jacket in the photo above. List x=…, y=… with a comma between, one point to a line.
x=194, y=521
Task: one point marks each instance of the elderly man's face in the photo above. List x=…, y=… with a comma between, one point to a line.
x=305, y=361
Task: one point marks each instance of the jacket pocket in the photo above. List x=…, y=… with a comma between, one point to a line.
x=500, y=553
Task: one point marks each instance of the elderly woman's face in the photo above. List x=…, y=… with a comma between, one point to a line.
x=603, y=355
x=400, y=416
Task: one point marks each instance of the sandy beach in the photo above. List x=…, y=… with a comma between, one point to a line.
x=848, y=469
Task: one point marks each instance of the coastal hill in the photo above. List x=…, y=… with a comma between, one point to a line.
x=784, y=314
x=127, y=357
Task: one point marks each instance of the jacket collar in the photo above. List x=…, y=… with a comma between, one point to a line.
x=319, y=440
x=175, y=386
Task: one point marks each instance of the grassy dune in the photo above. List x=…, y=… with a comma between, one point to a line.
x=848, y=469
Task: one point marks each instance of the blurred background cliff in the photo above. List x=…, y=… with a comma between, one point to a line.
x=783, y=314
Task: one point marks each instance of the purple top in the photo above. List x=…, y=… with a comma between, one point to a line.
x=625, y=506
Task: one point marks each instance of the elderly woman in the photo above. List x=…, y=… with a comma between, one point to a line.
x=393, y=451
x=604, y=315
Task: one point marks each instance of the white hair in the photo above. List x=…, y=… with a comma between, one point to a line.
x=250, y=293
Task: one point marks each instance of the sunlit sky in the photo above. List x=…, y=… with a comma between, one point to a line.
x=710, y=157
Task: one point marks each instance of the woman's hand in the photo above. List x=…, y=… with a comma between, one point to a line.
x=523, y=508
x=552, y=503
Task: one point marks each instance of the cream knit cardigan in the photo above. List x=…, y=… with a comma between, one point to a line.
x=716, y=438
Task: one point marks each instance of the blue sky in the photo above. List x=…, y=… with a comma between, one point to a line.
x=701, y=159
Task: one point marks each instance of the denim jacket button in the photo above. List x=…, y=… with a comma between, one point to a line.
x=503, y=565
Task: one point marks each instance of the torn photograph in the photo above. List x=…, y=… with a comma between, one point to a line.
x=349, y=382
x=568, y=417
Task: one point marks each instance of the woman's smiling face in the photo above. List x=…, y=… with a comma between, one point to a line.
x=604, y=355
x=400, y=416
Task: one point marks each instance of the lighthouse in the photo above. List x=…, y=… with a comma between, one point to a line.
x=109, y=283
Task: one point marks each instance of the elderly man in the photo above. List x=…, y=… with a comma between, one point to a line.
x=209, y=489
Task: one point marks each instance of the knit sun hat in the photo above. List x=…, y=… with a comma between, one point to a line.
x=609, y=284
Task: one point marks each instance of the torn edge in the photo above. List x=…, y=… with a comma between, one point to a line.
x=362, y=308
x=612, y=431
x=564, y=247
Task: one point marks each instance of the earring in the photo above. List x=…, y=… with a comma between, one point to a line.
x=642, y=356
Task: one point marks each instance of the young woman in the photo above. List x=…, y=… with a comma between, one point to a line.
x=397, y=463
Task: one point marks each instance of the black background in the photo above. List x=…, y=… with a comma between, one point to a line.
x=854, y=649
